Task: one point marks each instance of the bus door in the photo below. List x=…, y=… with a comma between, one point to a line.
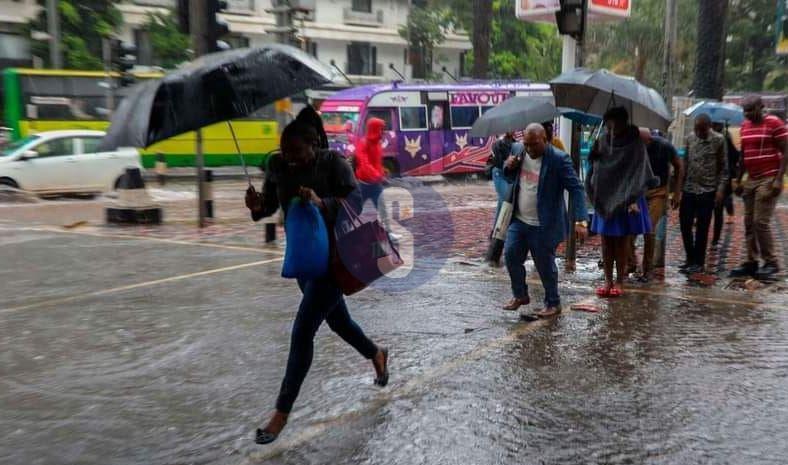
x=439, y=140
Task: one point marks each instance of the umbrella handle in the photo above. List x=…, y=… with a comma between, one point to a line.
x=240, y=155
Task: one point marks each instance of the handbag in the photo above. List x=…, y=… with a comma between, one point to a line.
x=363, y=253
x=306, y=250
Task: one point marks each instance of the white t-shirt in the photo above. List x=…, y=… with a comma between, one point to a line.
x=527, y=211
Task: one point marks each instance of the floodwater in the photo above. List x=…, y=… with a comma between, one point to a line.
x=116, y=350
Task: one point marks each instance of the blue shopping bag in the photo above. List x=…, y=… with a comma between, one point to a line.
x=306, y=252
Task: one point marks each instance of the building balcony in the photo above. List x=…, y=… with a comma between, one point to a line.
x=361, y=18
x=238, y=7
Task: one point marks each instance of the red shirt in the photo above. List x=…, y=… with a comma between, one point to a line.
x=760, y=152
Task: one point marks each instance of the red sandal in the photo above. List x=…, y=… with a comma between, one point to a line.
x=603, y=291
x=616, y=292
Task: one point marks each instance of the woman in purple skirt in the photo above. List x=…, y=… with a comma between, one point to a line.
x=620, y=175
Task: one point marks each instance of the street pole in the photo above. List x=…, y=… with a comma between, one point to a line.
x=667, y=54
x=568, y=63
x=53, y=24
x=106, y=51
x=197, y=26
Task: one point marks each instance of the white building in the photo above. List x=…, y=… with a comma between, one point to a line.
x=359, y=36
x=14, y=44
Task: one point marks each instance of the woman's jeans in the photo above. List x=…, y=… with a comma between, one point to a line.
x=373, y=191
x=322, y=300
x=501, y=188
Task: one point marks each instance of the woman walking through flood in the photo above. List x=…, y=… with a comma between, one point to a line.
x=620, y=175
x=307, y=170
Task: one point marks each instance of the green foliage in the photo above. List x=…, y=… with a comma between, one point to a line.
x=83, y=24
x=751, y=62
x=519, y=50
x=425, y=29
x=170, y=46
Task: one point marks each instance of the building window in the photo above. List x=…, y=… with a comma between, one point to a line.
x=463, y=67
x=361, y=59
x=310, y=47
x=364, y=6
x=237, y=41
x=144, y=47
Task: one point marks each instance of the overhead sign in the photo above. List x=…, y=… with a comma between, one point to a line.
x=618, y=8
x=543, y=11
x=782, y=28
x=537, y=10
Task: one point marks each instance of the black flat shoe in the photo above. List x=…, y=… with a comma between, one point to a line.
x=264, y=437
x=383, y=379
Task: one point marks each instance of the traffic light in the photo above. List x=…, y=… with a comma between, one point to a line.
x=183, y=16
x=216, y=27
x=124, y=57
x=571, y=18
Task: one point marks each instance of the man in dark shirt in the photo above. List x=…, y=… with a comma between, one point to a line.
x=662, y=155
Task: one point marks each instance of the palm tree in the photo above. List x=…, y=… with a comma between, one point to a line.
x=710, y=51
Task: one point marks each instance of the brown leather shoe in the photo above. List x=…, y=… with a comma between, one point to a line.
x=516, y=303
x=549, y=312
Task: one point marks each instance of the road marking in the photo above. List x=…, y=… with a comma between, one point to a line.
x=138, y=285
x=152, y=239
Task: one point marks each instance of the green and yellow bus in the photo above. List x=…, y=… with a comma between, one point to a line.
x=36, y=100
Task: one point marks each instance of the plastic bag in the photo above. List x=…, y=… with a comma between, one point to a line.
x=306, y=251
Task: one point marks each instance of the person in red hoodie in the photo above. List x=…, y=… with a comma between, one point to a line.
x=369, y=164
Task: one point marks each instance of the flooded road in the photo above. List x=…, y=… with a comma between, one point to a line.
x=130, y=350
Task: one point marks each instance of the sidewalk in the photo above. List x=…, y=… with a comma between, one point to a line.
x=226, y=173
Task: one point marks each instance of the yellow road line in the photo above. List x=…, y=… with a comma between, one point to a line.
x=129, y=287
x=155, y=239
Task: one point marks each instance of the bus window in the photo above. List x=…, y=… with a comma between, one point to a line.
x=463, y=117
x=486, y=109
x=335, y=122
x=413, y=118
x=385, y=115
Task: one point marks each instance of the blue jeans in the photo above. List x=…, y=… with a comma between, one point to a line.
x=373, y=191
x=322, y=300
x=522, y=238
x=501, y=188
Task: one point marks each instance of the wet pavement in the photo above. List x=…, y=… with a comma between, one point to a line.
x=166, y=345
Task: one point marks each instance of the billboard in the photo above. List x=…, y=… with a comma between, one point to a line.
x=782, y=28
x=537, y=10
x=543, y=11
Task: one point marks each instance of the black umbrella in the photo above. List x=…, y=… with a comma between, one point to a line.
x=514, y=114
x=594, y=92
x=214, y=88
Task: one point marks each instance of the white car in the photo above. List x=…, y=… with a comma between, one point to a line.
x=64, y=162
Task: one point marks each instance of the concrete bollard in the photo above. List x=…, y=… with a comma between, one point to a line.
x=133, y=205
x=208, y=193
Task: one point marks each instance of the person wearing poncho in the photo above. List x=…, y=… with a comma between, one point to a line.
x=620, y=175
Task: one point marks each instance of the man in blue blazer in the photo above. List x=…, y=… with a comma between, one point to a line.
x=539, y=221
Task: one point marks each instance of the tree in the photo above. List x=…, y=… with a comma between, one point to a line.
x=751, y=63
x=170, y=46
x=482, y=24
x=634, y=47
x=83, y=24
x=425, y=29
x=710, y=46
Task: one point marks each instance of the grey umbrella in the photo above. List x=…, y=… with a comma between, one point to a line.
x=514, y=115
x=594, y=92
x=215, y=88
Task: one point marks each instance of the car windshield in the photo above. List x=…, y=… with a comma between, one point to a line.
x=14, y=147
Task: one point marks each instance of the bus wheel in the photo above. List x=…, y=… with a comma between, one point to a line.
x=9, y=182
x=391, y=168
